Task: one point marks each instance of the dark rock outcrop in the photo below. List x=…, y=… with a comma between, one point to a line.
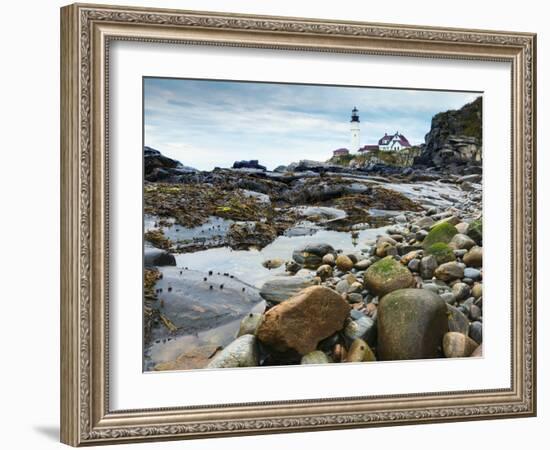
x=252, y=164
x=455, y=137
x=158, y=167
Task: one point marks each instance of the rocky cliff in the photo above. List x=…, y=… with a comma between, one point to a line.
x=455, y=137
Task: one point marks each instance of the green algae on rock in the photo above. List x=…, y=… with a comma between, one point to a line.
x=442, y=252
x=442, y=232
x=387, y=275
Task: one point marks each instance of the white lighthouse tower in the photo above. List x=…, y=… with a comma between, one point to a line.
x=355, y=130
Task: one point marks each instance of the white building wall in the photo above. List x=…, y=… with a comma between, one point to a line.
x=355, y=137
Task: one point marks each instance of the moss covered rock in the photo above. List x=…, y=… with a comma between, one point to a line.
x=441, y=232
x=387, y=275
x=475, y=231
x=442, y=252
x=411, y=325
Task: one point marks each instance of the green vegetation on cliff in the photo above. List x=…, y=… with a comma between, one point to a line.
x=401, y=158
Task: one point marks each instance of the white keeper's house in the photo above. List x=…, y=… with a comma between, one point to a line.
x=393, y=142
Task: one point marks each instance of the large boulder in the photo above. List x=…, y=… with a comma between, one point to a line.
x=411, y=325
x=242, y=352
x=387, y=275
x=298, y=324
x=196, y=301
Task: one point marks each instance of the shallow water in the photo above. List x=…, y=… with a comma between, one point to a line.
x=246, y=265
x=212, y=232
x=169, y=349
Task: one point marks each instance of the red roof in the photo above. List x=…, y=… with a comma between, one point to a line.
x=340, y=151
x=367, y=148
x=385, y=140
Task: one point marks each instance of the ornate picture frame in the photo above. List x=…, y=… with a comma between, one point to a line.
x=87, y=32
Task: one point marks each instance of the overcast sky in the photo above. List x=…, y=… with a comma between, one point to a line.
x=205, y=124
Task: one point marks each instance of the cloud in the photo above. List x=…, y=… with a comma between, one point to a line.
x=213, y=123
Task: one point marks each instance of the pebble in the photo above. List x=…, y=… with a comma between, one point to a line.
x=363, y=264
x=477, y=290
x=329, y=259
x=473, y=274
x=449, y=271
x=355, y=298
x=414, y=265
x=428, y=264
x=344, y=263
x=458, y=345
x=342, y=287
x=461, y=291
x=476, y=332
x=448, y=297
x=475, y=312
x=324, y=271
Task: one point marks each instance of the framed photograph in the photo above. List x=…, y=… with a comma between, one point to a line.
x=276, y=224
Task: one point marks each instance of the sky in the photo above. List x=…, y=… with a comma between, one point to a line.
x=206, y=123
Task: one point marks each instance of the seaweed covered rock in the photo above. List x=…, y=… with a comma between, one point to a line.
x=387, y=275
x=243, y=235
x=442, y=252
x=411, y=325
x=442, y=232
x=475, y=231
x=300, y=323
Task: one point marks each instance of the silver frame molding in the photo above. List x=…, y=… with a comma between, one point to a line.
x=86, y=33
